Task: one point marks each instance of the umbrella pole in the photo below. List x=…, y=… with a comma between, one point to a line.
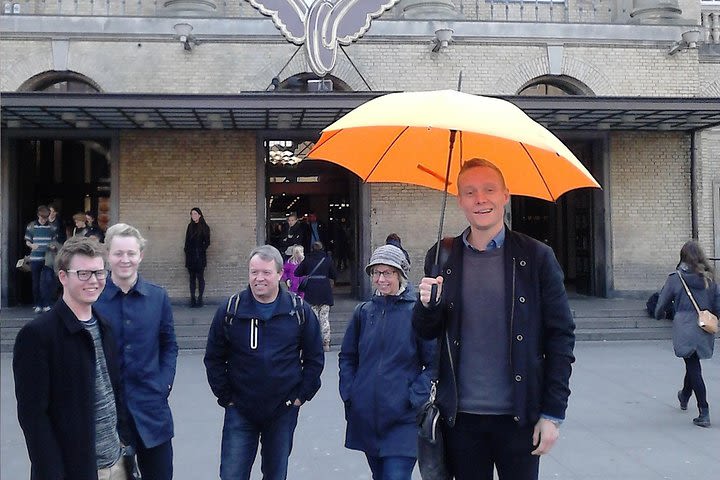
x=436, y=267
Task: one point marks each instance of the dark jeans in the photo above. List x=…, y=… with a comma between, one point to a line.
x=197, y=276
x=693, y=381
x=155, y=463
x=478, y=442
x=391, y=468
x=42, y=288
x=240, y=443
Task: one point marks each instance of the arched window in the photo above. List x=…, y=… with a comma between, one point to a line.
x=555, y=86
x=60, y=82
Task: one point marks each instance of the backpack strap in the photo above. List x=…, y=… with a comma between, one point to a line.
x=230, y=312
x=298, y=307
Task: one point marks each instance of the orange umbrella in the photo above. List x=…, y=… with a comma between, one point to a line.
x=406, y=138
x=422, y=138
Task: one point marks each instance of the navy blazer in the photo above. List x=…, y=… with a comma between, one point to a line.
x=142, y=322
x=54, y=368
x=539, y=319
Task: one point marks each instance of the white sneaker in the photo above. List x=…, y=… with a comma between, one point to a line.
x=37, y=309
x=46, y=309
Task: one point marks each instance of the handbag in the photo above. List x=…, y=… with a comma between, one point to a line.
x=130, y=462
x=304, y=282
x=706, y=319
x=23, y=264
x=431, y=444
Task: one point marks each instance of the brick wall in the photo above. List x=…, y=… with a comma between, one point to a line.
x=163, y=176
x=708, y=173
x=649, y=206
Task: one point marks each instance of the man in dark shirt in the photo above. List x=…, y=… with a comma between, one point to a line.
x=66, y=377
x=506, y=335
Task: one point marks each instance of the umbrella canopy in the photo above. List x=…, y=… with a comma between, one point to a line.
x=406, y=138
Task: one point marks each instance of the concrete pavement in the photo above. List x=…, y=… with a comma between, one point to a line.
x=623, y=422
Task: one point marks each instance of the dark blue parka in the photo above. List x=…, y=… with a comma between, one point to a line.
x=259, y=365
x=538, y=318
x=384, y=376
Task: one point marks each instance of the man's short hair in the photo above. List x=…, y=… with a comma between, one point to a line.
x=480, y=162
x=88, y=246
x=317, y=246
x=124, y=230
x=267, y=253
x=43, y=211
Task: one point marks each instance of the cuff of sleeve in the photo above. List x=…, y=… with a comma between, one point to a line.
x=555, y=420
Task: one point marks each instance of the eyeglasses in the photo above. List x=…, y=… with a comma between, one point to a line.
x=382, y=273
x=84, y=275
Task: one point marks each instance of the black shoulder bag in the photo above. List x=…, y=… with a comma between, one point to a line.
x=304, y=282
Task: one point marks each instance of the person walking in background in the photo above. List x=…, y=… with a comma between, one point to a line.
x=394, y=239
x=93, y=229
x=297, y=233
x=264, y=359
x=80, y=229
x=385, y=370
x=142, y=322
x=197, y=241
x=57, y=223
x=319, y=269
x=506, y=334
x=297, y=255
x=38, y=236
x=690, y=342
x=67, y=382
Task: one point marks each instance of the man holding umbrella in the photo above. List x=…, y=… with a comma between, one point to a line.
x=506, y=334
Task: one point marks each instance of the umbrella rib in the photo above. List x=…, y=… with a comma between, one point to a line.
x=385, y=153
x=327, y=139
x=538, y=171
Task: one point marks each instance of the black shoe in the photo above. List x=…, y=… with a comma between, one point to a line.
x=200, y=302
x=703, y=420
x=193, y=303
x=683, y=400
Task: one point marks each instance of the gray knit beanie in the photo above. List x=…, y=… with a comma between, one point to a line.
x=389, y=255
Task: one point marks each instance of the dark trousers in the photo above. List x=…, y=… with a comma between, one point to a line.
x=693, y=381
x=391, y=468
x=477, y=443
x=41, y=286
x=155, y=463
x=197, y=276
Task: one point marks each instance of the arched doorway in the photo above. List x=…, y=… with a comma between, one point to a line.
x=573, y=225
x=70, y=170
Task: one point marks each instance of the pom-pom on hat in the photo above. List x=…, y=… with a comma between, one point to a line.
x=389, y=255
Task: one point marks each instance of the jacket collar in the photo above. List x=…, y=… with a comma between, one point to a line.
x=246, y=306
x=140, y=287
x=69, y=319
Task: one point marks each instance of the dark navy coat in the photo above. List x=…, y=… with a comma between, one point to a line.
x=259, y=365
x=538, y=318
x=319, y=288
x=54, y=368
x=142, y=323
x=384, y=376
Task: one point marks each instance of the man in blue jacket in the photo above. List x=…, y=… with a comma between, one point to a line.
x=506, y=335
x=142, y=322
x=264, y=358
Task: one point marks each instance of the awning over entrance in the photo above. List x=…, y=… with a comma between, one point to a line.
x=314, y=111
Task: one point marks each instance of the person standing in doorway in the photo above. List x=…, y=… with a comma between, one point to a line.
x=319, y=268
x=67, y=382
x=690, y=342
x=142, y=321
x=197, y=241
x=57, y=222
x=297, y=233
x=38, y=236
x=264, y=359
x=506, y=335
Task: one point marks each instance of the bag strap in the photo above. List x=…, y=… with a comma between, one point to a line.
x=689, y=293
x=298, y=307
x=232, y=307
x=316, y=267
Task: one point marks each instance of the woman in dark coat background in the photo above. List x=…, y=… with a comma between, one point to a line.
x=690, y=342
x=318, y=292
x=385, y=370
x=197, y=241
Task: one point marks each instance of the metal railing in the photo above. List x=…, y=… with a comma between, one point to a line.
x=710, y=22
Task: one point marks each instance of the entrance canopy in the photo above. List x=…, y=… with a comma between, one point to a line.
x=315, y=111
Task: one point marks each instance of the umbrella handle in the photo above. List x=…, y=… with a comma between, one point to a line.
x=434, y=272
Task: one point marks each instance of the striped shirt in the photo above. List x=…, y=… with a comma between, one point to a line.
x=107, y=440
x=40, y=235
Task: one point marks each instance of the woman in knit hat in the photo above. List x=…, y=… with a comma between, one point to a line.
x=385, y=370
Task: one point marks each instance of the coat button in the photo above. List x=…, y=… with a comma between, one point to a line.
x=451, y=305
x=456, y=343
x=522, y=264
x=448, y=271
x=519, y=338
x=522, y=299
x=518, y=378
x=128, y=347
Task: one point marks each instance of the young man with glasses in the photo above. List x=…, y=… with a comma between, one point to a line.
x=142, y=320
x=67, y=381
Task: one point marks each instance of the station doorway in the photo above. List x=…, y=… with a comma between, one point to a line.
x=296, y=185
x=573, y=226
x=71, y=174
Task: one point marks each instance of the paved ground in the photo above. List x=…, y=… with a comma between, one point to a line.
x=623, y=422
